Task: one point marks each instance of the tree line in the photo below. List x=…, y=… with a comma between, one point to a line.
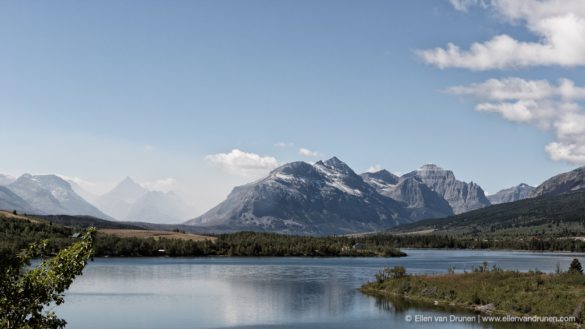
x=17, y=234
x=247, y=244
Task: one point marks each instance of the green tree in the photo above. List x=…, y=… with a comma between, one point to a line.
x=575, y=267
x=25, y=292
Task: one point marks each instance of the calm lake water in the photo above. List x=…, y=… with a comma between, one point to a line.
x=223, y=292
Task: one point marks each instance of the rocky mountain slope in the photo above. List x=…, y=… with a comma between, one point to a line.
x=566, y=182
x=320, y=199
x=461, y=196
x=419, y=198
x=421, y=201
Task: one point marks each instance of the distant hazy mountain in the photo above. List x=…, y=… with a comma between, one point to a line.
x=563, y=183
x=322, y=198
x=159, y=207
x=88, y=196
x=10, y=201
x=118, y=202
x=515, y=193
x=461, y=196
x=6, y=179
x=52, y=195
x=129, y=201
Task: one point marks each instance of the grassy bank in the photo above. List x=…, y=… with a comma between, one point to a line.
x=491, y=291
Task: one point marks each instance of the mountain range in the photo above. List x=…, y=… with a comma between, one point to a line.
x=323, y=198
x=330, y=198
x=54, y=195
x=555, y=206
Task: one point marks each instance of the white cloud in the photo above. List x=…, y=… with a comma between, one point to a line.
x=463, y=5
x=284, y=145
x=539, y=103
x=308, y=153
x=559, y=25
x=571, y=153
x=507, y=89
x=374, y=168
x=162, y=185
x=243, y=163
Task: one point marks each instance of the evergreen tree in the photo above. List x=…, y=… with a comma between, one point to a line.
x=575, y=267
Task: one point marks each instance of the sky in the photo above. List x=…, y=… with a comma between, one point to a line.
x=201, y=96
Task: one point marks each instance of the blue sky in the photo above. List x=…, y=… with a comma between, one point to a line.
x=164, y=91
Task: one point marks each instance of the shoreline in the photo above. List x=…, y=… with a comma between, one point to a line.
x=506, y=250
x=490, y=292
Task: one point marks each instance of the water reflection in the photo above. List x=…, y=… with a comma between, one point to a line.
x=261, y=292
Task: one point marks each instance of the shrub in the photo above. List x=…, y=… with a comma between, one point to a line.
x=24, y=293
x=396, y=272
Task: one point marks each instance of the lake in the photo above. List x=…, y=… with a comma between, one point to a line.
x=228, y=292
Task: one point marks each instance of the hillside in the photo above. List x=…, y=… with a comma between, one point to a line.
x=143, y=234
x=86, y=221
x=560, y=215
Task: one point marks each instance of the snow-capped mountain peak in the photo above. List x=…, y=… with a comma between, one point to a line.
x=323, y=198
x=52, y=195
x=380, y=179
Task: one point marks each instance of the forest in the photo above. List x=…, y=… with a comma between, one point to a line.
x=17, y=233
